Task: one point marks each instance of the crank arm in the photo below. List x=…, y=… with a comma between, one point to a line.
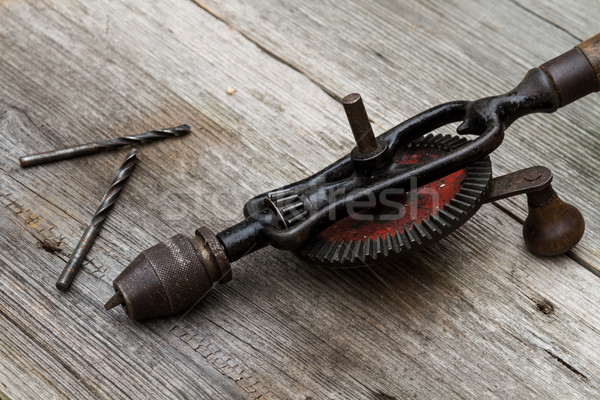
x=172, y=276
x=552, y=226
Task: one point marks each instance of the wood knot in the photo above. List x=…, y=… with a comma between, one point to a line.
x=544, y=306
x=51, y=245
x=382, y=396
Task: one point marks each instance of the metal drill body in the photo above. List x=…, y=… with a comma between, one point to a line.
x=161, y=280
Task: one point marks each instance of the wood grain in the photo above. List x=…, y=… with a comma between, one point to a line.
x=474, y=316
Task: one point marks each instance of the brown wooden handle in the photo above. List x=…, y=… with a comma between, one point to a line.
x=576, y=73
x=591, y=49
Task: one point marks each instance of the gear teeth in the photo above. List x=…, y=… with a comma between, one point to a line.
x=331, y=253
x=450, y=208
x=354, y=251
x=417, y=142
x=323, y=251
x=328, y=252
x=480, y=175
x=432, y=227
x=366, y=249
x=288, y=206
x=347, y=252
x=379, y=247
x=374, y=248
x=479, y=169
x=439, y=221
x=444, y=141
x=449, y=217
x=279, y=194
x=467, y=199
x=418, y=234
x=470, y=192
x=396, y=245
x=420, y=230
x=406, y=240
x=361, y=251
x=389, y=247
x=479, y=180
x=335, y=253
x=462, y=205
x=457, y=142
x=317, y=250
x=401, y=240
x=412, y=238
x=463, y=198
x=477, y=187
x=308, y=250
x=481, y=163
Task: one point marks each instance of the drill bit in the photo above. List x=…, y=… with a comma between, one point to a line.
x=92, y=148
x=85, y=243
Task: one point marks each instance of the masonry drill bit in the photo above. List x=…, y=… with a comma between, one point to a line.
x=85, y=243
x=92, y=148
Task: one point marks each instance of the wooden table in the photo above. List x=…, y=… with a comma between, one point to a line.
x=475, y=316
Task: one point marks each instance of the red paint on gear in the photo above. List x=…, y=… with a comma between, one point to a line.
x=397, y=213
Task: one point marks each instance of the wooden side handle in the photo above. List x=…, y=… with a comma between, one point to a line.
x=591, y=49
x=576, y=73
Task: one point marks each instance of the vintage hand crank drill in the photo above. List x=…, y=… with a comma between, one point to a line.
x=315, y=218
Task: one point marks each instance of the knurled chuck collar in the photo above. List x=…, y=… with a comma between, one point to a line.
x=172, y=276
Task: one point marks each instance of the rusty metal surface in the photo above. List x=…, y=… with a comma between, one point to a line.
x=359, y=123
x=519, y=182
x=171, y=276
x=572, y=75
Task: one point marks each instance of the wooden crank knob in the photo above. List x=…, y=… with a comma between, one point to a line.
x=552, y=227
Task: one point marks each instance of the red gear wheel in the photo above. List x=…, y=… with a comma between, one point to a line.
x=402, y=223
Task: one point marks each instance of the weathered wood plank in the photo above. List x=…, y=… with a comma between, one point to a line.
x=282, y=328
x=576, y=18
x=407, y=56
x=65, y=345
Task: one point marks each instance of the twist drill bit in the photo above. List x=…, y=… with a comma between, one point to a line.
x=92, y=148
x=85, y=243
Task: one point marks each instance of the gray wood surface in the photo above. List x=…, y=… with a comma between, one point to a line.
x=475, y=316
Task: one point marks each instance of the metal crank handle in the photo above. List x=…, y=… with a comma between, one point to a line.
x=174, y=275
x=553, y=226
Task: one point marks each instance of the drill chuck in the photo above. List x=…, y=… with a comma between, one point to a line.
x=171, y=276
